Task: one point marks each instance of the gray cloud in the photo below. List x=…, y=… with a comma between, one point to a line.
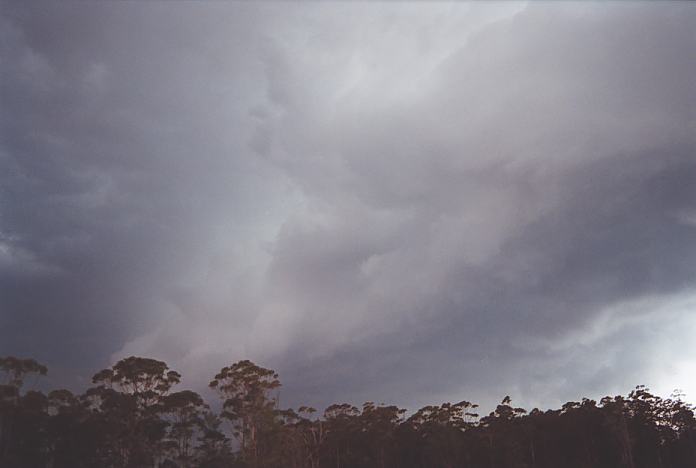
x=384, y=201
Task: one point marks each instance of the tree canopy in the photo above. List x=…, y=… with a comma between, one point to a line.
x=134, y=417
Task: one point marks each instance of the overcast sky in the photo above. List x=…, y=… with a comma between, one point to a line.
x=408, y=203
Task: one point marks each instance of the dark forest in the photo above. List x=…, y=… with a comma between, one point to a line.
x=133, y=416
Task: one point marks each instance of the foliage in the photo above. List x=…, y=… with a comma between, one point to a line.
x=131, y=418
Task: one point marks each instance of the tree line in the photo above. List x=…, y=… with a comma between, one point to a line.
x=132, y=417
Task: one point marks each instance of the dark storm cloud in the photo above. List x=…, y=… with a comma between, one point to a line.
x=390, y=202
x=109, y=171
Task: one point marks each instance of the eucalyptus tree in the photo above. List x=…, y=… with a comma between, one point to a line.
x=616, y=417
x=70, y=440
x=440, y=432
x=342, y=442
x=13, y=372
x=130, y=397
x=312, y=434
x=502, y=432
x=379, y=424
x=184, y=411
x=249, y=403
x=213, y=449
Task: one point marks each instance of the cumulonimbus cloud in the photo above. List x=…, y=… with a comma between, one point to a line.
x=381, y=201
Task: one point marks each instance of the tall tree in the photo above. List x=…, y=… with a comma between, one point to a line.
x=130, y=398
x=13, y=418
x=250, y=405
x=185, y=411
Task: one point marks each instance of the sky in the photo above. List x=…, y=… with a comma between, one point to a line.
x=406, y=203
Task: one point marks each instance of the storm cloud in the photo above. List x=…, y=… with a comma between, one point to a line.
x=394, y=202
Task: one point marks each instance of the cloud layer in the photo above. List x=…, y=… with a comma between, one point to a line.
x=399, y=202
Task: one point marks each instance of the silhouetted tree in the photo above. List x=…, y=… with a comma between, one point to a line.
x=248, y=403
x=130, y=398
x=131, y=418
x=21, y=417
